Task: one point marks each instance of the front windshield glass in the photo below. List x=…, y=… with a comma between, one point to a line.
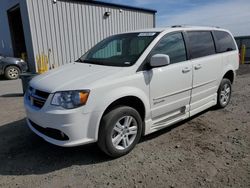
x=119, y=50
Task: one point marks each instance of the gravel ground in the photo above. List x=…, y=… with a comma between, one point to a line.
x=210, y=150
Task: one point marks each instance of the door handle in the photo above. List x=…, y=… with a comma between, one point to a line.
x=186, y=70
x=197, y=67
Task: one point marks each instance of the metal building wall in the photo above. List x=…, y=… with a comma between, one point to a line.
x=6, y=47
x=63, y=31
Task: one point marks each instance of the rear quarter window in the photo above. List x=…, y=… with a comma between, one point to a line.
x=224, y=42
x=201, y=43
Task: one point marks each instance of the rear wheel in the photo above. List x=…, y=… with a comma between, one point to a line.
x=12, y=73
x=224, y=93
x=120, y=131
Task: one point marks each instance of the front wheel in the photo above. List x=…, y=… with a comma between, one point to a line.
x=120, y=131
x=12, y=73
x=224, y=93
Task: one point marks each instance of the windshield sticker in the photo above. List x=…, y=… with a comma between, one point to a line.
x=146, y=34
x=127, y=63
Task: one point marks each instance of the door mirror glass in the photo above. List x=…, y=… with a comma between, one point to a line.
x=159, y=60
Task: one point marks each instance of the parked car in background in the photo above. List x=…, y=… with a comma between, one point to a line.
x=12, y=67
x=133, y=84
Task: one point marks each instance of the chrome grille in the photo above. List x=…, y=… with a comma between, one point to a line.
x=36, y=97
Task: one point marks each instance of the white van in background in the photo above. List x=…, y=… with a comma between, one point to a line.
x=133, y=84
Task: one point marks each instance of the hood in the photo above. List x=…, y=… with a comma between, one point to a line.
x=73, y=76
x=11, y=60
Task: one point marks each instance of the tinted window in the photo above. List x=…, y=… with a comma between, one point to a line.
x=172, y=45
x=225, y=41
x=201, y=43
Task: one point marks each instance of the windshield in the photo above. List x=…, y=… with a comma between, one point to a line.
x=119, y=50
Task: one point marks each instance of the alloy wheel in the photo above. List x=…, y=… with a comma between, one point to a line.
x=13, y=73
x=124, y=132
x=225, y=94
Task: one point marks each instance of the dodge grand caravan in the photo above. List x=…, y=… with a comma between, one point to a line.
x=133, y=84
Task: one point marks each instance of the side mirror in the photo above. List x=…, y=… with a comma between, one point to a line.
x=159, y=60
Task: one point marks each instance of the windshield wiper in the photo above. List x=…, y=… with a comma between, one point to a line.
x=88, y=61
x=91, y=62
x=79, y=60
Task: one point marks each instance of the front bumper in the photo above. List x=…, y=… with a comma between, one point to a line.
x=74, y=126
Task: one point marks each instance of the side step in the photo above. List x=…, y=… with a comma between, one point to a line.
x=169, y=118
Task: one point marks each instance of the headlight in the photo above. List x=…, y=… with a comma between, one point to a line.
x=70, y=99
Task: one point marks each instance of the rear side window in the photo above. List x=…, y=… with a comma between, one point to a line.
x=172, y=45
x=201, y=43
x=224, y=41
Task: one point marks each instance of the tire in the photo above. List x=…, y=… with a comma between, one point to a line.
x=12, y=73
x=224, y=93
x=114, y=138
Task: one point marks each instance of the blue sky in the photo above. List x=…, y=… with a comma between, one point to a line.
x=230, y=14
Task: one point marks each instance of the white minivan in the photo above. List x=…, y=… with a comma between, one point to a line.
x=133, y=84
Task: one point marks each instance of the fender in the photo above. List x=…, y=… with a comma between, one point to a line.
x=229, y=67
x=230, y=62
x=114, y=95
x=118, y=93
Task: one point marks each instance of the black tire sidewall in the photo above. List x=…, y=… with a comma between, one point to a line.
x=107, y=124
x=223, y=82
x=7, y=70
